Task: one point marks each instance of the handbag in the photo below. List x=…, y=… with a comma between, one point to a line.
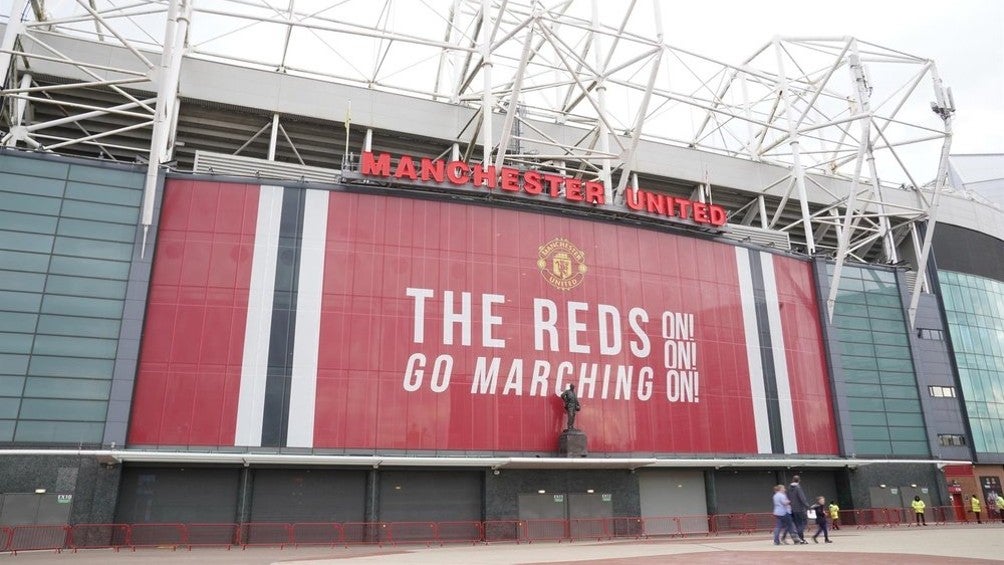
x=810, y=514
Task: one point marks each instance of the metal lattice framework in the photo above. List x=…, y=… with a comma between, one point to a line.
x=814, y=108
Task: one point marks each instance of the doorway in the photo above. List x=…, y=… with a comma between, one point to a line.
x=550, y=516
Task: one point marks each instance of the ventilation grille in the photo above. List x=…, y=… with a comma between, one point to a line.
x=758, y=236
x=234, y=165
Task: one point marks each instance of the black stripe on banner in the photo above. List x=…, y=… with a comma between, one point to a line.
x=278, y=379
x=766, y=354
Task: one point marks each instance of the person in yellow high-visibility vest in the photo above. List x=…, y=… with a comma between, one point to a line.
x=1000, y=506
x=918, y=510
x=977, y=507
x=834, y=515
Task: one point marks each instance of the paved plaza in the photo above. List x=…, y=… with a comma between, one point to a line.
x=933, y=545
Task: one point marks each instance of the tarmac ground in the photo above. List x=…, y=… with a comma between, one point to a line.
x=874, y=546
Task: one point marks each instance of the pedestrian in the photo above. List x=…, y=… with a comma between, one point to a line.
x=782, y=516
x=835, y=515
x=821, y=522
x=918, y=510
x=799, y=506
x=974, y=503
x=1000, y=507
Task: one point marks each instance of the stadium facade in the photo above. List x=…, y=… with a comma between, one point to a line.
x=236, y=293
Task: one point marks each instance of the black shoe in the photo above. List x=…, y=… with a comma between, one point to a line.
x=828, y=541
x=803, y=542
x=815, y=540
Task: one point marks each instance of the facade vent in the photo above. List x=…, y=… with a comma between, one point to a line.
x=209, y=163
x=758, y=236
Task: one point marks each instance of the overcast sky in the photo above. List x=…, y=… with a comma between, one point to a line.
x=965, y=38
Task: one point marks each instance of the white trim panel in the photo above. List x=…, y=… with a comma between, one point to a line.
x=753, y=359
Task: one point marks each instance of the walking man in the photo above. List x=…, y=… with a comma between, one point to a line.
x=799, y=506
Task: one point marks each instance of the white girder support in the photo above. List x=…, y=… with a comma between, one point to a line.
x=944, y=107
x=273, y=136
x=487, y=97
x=514, y=99
x=15, y=25
x=175, y=33
x=18, y=131
x=793, y=141
x=601, y=103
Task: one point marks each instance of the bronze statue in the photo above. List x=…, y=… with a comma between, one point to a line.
x=571, y=405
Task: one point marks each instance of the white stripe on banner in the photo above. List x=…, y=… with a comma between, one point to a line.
x=753, y=352
x=780, y=355
x=303, y=389
x=258, y=332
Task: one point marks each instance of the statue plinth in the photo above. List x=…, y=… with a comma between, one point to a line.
x=572, y=443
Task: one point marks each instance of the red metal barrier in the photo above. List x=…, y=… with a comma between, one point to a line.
x=4, y=538
x=463, y=532
x=366, y=532
x=412, y=532
x=657, y=526
x=212, y=535
x=157, y=535
x=759, y=522
x=728, y=523
x=894, y=516
x=265, y=533
x=37, y=537
x=693, y=525
x=546, y=530
x=504, y=530
x=99, y=536
x=317, y=533
x=627, y=527
x=589, y=528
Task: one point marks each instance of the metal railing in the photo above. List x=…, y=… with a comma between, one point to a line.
x=57, y=537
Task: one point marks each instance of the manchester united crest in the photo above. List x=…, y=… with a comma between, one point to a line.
x=561, y=264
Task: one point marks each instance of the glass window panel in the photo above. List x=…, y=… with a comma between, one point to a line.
x=6, y=430
x=63, y=410
x=81, y=389
x=858, y=310
x=9, y=407
x=33, y=185
x=44, y=366
x=890, y=339
x=868, y=418
x=851, y=297
x=13, y=364
x=902, y=365
x=96, y=230
x=17, y=202
x=907, y=434
x=865, y=404
x=15, y=343
x=892, y=351
x=17, y=322
x=884, y=313
x=910, y=448
x=852, y=362
x=872, y=447
x=851, y=284
x=860, y=376
x=75, y=346
x=101, y=175
x=69, y=325
x=22, y=165
x=863, y=390
x=851, y=323
x=73, y=306
x=80, y=286
x=25, y=282
x=20, y=301
x=92, y=248
x=896, y=378
x=103, y=212
x=103, y=193
x=11, y=385
x=59, y=432
x=870, y=432
x=902, y=405
x=28, y=242
x=854, y=336
x=900, y=419
x=19, y=261
x=896, y=327
x=90, y=267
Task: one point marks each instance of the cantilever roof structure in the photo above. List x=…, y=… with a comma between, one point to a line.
x=828, y=141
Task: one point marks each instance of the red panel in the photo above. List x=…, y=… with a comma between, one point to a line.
x=803, y=340
x=378, y=247
x=193, y=339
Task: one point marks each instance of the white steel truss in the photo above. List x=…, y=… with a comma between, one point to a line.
x=577, y=84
